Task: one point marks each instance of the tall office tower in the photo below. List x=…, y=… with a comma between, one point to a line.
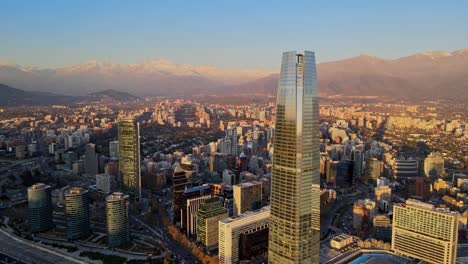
x=357, y=158
x=424, y=232
x=114, y=149
x=231, y=134
x=191, y=200
x=129, y=157
x=91, y=160
x=292, y=238
x=40, y=207
x=209, y=213
x=117, y=222
x=243, y=236
x=434, y=165
x=179, y=184
x=247, y=197
x=77, y=213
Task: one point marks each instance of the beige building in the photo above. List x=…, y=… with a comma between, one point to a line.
x=418, y=227
x=247, y=197
x=230, y=230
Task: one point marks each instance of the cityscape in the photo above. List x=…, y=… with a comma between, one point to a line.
x=359, y=160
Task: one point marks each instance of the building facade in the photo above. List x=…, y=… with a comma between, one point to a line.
x=247, y=197
x=117, y=221
x=40, y=207
x=77, y=213
x=419, y=226
x=231, y=229
x=211, y=211
x=296, y=163
x=129, y=157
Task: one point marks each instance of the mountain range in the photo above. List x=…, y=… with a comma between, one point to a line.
x=427, y=75
x=11, y=97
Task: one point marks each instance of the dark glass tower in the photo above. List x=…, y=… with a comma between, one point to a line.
x=294, y=221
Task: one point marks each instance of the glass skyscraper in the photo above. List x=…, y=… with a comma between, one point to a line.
x=129, y=157
x=294, y=235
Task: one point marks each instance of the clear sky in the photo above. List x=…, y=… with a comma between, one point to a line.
x=226, y=34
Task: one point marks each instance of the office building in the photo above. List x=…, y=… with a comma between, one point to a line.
x=114, y=149
x=242, y=236
x=40, y=207
x=129, y=157
x=191, y=213
x=179, y=184
x=211, y=211
x=373, y=170
x=247, y=197
x=91, y=160
x=434, y=165
x=106, y=183
x=404, y=168
x=296, y=163
x=424, y=232
x=77, y=213
x=383, y=196
x=117, y=221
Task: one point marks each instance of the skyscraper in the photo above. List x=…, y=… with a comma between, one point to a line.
x=91, y=160
x=77, y=213
x=296, y=163
x=129, y=157
x=40, y=207
x=117, y=222
x=179, y=184
x=424, y=232
x=114, y=149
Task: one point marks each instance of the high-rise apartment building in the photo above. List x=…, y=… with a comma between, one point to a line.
x=247, y=197
x=424, y=232
x=117, y=222
x=77, y=213
x=40, y=207
x=296, y=163
x=241, y=235
x=129, y=157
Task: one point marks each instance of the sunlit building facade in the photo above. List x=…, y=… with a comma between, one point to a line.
x=424, y=232
x=117, y=222
x=129, y=157
x=296, y=163
x=77, y=213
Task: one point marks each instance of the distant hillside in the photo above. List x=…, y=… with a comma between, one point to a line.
x=108, y=96
x=428, y=75
x=11, y=97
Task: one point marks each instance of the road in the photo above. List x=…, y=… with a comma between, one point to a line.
x=6, y=259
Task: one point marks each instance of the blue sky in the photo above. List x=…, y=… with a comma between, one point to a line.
x=225, y=34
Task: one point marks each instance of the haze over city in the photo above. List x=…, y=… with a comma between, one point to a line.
x=240, y=132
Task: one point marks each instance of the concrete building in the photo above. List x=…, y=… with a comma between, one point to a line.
x=117, y=221
x=77, y=213
x=383, y=195
x=191, y=213
x=40, y=207
x=404, y=168
x=434, y=165
x=211, y=211
x=418, y=227
x=91, y=160
x=235, y=233
x=296, y=163
x=247, y=197
x=114, y=149
x=382, y=228
x=129, y=157
x=106, y=183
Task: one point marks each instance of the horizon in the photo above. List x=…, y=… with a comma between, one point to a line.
x=55, y=35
